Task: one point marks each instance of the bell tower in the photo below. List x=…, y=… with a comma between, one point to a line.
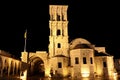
x=58, y=25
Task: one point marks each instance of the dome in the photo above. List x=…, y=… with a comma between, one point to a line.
x=80, y=43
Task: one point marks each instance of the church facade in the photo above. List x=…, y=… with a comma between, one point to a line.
x=79, y=58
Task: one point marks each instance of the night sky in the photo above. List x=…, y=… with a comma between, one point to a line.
x=96, y=21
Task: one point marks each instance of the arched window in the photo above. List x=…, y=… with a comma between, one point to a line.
x=59, y=45
x=58, y=17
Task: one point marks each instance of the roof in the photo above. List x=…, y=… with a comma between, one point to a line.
x=59, y=55
x=101, y=54
x=80, y=43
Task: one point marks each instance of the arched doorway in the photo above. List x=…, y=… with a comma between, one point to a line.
x=36, y=67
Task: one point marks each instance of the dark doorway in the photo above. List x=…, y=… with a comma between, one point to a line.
x=36, y=67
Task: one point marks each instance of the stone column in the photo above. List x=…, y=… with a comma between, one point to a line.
x=24, y=65
x=9, y=70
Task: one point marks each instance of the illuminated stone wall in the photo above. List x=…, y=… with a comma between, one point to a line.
x=58, y=39
x=82, y=68
x=33, y=57
x=110, y=66
x=77, y=59
x=104, y=66
x=9, y=66
x=58, y=25
x=59, y=70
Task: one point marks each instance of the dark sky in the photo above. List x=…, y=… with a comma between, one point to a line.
x=96, y=20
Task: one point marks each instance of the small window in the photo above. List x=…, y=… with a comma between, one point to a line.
x=58, y=32
x=91, y=60
x=84, y=60
x=59, y=45
x=59, y=65
x=104, y=64
x=76, y=60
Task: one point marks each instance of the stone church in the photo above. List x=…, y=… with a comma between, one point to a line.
x=79, y=58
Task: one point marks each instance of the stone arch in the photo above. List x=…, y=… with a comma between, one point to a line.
x=19, y=67
x=36, y=67
x=11, y=67
x=6, y=67
x=15, y=68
